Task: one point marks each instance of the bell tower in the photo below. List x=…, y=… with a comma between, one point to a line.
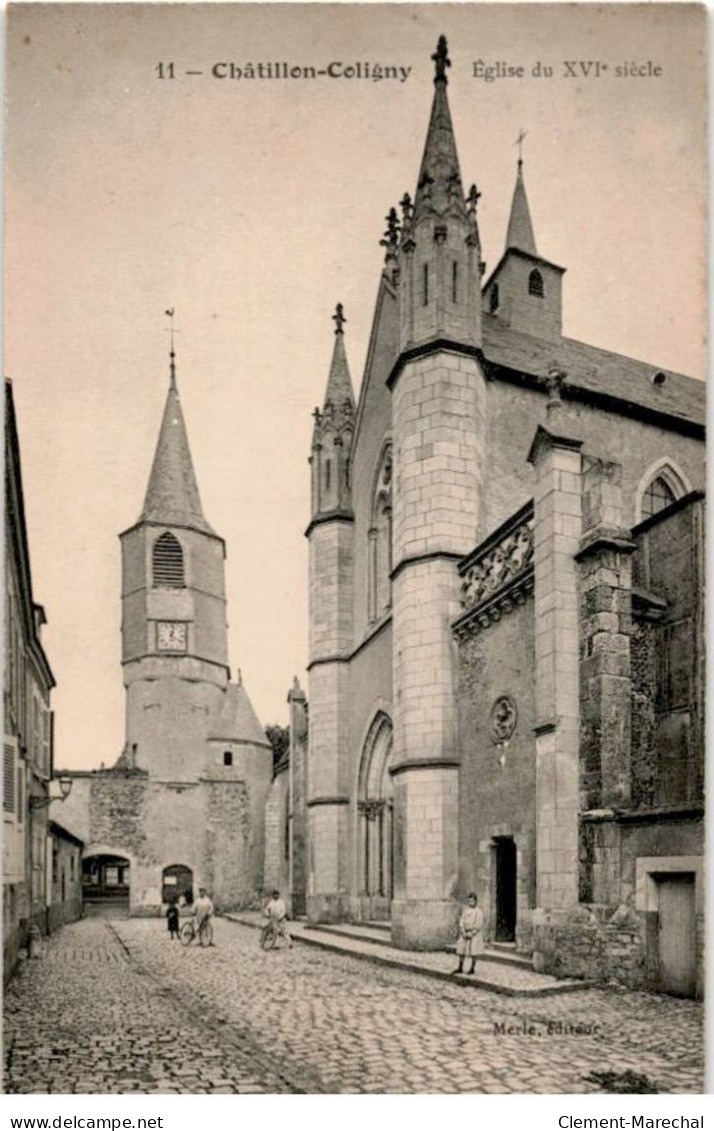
x=174, y=637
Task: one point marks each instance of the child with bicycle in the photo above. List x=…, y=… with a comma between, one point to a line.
x=276, y=913
x=202, y=913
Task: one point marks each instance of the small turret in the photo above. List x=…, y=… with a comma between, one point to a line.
x=332, y=433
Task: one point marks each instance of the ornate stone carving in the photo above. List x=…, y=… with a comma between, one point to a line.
x=370, y=809
x=498, y=575
x=504, y=716
x=498, y=566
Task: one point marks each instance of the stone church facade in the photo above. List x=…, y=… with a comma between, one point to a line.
x=506, y=615
x=184, y=805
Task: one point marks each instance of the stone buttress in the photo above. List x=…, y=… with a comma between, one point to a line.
x=331, y=571
x=438, y=401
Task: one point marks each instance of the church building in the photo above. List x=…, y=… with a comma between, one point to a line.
x=184, y=805
x=506, y=654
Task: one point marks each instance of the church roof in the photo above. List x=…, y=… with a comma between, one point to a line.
x=237, y=721
x=172, y=494
x=597, y=371
x=520, y=229
x=339, y=383
x=439, y=186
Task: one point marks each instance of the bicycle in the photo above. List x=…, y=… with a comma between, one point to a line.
x=270, y=934
x=204, y=934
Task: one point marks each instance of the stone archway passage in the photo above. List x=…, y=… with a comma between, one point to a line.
x=106, y=885
x=177, y=884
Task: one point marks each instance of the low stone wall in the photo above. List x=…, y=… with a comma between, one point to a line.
x=601, y=944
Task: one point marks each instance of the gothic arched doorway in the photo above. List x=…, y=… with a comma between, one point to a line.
x=177, y=885
x=375, y=823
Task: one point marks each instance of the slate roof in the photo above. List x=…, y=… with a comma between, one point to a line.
x=172, y=496
x=593, y=370
x=237, y=721
x=520, y=229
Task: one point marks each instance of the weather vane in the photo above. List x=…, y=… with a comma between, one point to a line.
x=339, y=318
x=172, y=355
x=522, y=135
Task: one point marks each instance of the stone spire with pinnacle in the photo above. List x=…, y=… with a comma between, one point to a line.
x=332, y=432
x=437, y=265
x=439, y=188
x=172, y=496
x=339, y=390
x=520, y=229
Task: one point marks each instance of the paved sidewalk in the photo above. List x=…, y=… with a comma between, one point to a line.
x=497, y=976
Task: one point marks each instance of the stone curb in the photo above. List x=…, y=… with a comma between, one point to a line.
x=370, y=955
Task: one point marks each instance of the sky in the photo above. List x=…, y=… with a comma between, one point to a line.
x=252, y=207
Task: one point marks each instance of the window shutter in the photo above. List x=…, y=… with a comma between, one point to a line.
x=167, y=562
x=8, y=779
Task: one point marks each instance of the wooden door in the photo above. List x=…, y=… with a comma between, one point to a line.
x=677, y=940
x=506, y=877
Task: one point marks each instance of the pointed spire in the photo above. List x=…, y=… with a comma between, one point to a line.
x=339, y=384
x=439, y=187
x=172, y=493
x=520, y=229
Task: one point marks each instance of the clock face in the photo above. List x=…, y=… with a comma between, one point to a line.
x=171, y=636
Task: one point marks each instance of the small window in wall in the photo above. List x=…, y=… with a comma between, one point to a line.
x=167, y=562
x=535, y=284
x=494, y=300
x=227, y=757
x=425, y=291
x=658, y=495
x=454, y=282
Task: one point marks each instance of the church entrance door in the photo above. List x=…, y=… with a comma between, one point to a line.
x=375, y=824
x=505, y=889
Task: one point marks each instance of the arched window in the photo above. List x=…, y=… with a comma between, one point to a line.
x=380, y=540
x=661, y=486
x=535, y=284
x=658, y=495
x=494, y=299
x=167, y=562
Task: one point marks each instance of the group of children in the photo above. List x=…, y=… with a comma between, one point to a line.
x=202, y=910
x=468, y=945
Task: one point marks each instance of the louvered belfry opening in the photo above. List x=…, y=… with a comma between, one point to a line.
x=167, y=564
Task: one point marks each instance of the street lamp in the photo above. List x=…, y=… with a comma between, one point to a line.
x=65, y=788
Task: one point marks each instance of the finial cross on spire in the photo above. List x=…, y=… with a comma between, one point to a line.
x=441, y=60
x=339, y=318
x=172, y=353
x=522, y=135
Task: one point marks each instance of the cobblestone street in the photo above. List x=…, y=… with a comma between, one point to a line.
x=117, y=1007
